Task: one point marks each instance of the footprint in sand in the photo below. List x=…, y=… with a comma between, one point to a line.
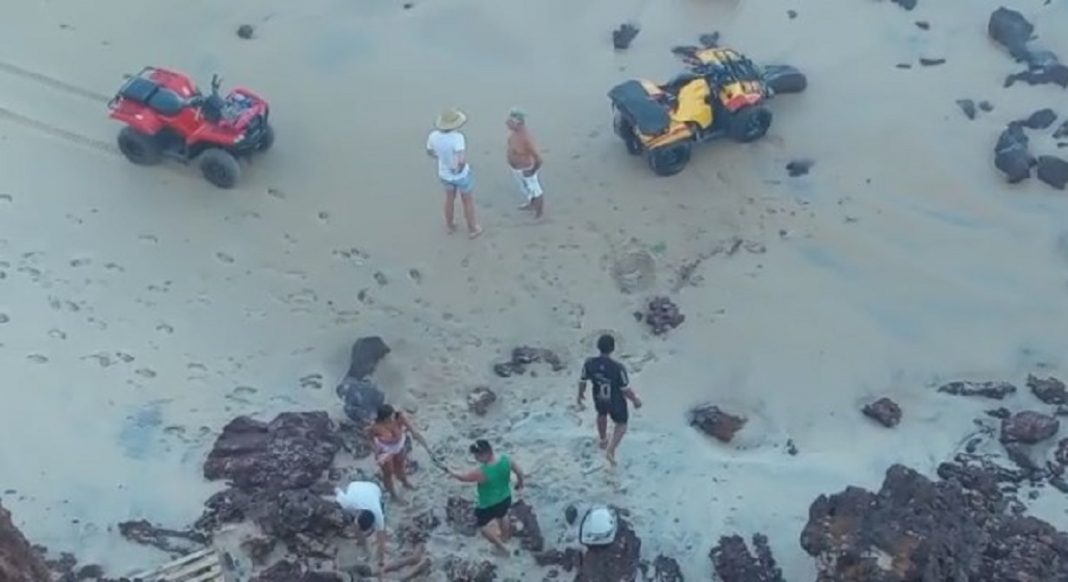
x=224, y=257
x=82, y=262
x=7, y=198
x=103, y=359
x=312, y=381
x=145, y=372
x=415, y=275
x=4, y=318
x=127, y=358
x=164, y=328
x=37, y=358
x=115, y=267
x=57, y=334
x=275, y=192
x=324, y=216
x=302, y=297
x=148, y=238
x=380, y=278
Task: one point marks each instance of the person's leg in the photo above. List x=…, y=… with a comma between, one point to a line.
x=539, y=206
x=619, y=415
x=450, y=208
x=400, y=469
x=468, y=200
x=602, y=429
x=506, y=528
x=537, y=195
x=387, y=478
x=484, y=518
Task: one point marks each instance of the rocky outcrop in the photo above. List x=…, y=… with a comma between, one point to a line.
x=735, y=563
x=663, y=569
x=1053, y=171
x=918, y=529
x=523, y=357
x=480, y=399
x=995, y=390
x=293, y=450
x=714, y=422
x=617, y=562
x=884, y=411
x=19, y=562
x=1028, y=427
x=1010, y=29
x=1049, y=390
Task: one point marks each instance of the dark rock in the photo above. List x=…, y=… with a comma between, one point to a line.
x=1000, y=413
x=1028, y=427
x=293, y=450
x=968, y=107
x=885, y=411
x=1012, y=155
x=19, y=562
x=1050, y=391
x=258, y=549
x=480, y=399
x=417, y=531
x=523, y=357
x=664, y=569
x=1061, y=453
x=797, y=168
x=89, y=572
x=355, y=440
x=1054, y=73
x=568, y=559
x=792, y=14
x=995, y=390
x=923, y=25
x=906, y=4
x=1010, y=29
x=362, y=400
x=228, y=506
x=367, y=352
x=791, y=448
x=570, y=514
x=916, y=529
x=663, y=315
x=1053, y=171
x=245, y=31
x=292, y=515
x=980, y=474
x=624, y=35
x=903, y=66
x=617, y=562
x=407, y=5
x=1059, y=483
x=526, y=527
x=460, y=514
x=986, y=106
x=459, y=570
x=714, y=422
x=735, y=563
x=1020, y=457
x=1061, y=131
x=1041, y=119
x=174, y=542
x=932, y=62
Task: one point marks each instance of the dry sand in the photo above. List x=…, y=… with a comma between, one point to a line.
x=144, y=308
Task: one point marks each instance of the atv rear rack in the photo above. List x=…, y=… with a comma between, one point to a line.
x=202, y=566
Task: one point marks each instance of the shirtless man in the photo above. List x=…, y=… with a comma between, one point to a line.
x=525, y=161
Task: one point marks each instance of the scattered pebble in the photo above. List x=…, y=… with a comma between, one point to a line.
x=624, y=35
x=792, y=14
x=986, y=106
x=380, y=278
x=923, y=25
x=931, y=62
x=906, y=4
x=245, y=31
x=968, y=107
x=799, y=167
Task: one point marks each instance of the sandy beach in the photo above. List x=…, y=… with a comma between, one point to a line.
x=142, y=308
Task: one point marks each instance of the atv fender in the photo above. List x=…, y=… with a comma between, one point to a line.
x=784, y=79
x=144, y=124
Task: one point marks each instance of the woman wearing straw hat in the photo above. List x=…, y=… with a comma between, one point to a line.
x=447, y=145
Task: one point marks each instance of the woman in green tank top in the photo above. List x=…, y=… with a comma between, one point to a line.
x=494, y=482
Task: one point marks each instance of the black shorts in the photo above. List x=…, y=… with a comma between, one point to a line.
x=616, y=409
x=484, y=515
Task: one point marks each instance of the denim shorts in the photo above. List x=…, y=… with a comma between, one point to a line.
x=463, y=185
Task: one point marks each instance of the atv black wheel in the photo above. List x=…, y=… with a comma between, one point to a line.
x=268, y=138
x=625, y=130
x=139, y=148
x=220, y=168
x=750, y=124
x=784, y=79
x=669, y=160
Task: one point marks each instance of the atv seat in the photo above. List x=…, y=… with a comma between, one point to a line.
x=650, y=117
x=144, y=91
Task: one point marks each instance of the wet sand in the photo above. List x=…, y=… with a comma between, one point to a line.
x=144, y=308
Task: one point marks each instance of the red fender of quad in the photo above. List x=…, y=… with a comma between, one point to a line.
x=132, y=115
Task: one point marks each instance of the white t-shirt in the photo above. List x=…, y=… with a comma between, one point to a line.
x=363, y=496
x=447, y=146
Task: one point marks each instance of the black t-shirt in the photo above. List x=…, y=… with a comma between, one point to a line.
x=609, y=378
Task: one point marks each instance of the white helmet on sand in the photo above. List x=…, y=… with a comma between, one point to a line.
x=598, y=526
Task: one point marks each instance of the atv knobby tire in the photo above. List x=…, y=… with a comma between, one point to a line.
x=750, y=124
x=139, y=148
x=220, y=168
x=669, y=160
x=625, y=130
x=268, y=138
x=783, y=79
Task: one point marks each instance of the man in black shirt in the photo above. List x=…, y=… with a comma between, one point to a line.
x=611, y=390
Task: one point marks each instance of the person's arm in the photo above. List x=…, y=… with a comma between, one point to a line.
x=380, y=538
x=411, y=428
x=520, y=478
x=430, y=148
x=476, y=476
x=461, y=153
x=533, y=151
x=628, y=392
x=582, y=385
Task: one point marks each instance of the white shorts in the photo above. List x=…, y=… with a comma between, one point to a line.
x=528, y=185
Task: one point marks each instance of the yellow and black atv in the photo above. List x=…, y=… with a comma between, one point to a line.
x=723, y=94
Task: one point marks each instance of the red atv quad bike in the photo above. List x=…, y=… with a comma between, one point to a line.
x=166, y=115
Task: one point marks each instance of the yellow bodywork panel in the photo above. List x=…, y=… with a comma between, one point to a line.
x=691, y=108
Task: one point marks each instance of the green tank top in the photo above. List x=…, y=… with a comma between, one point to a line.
x=498, y=484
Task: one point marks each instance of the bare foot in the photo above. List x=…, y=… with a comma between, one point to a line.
x=611, y=456
x=475, y=232
x=451, y=228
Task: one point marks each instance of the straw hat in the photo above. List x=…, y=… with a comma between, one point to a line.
x=450, y=119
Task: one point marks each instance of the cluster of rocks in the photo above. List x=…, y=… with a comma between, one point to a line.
x=523, y=357
x=716, y=423
x=913, y=528
x=19, y=561
x=733, y=560
x=661, y=315
x=1012, y=154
